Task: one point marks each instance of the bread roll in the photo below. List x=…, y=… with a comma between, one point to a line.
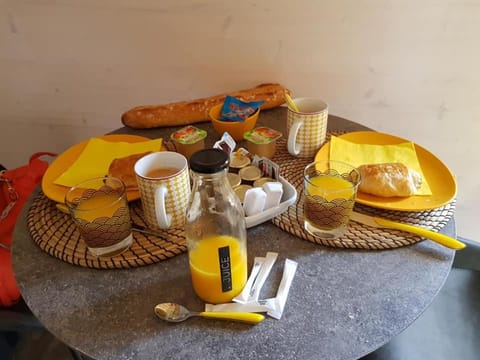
x=194, y=111
x=389, y=179
x=123, y=168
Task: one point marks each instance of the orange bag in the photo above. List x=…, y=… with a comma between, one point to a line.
x=15, y=187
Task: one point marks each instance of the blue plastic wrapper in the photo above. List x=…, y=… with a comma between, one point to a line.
x=234, y=109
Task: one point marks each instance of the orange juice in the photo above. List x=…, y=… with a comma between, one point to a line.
x=99, y=205
x=328, y=202
x=218, y=266
x=330, y=187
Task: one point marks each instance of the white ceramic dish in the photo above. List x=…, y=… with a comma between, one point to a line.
x=288, y=198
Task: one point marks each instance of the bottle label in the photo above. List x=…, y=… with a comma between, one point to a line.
x=225, y=268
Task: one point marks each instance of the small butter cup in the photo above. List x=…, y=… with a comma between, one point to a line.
x=238, y=162
x=234, y=179
x=249, y=174
x=241, y=190
x=262, y=140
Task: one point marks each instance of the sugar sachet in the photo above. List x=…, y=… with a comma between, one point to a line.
x=281, y=298
x=248, y=300
x=252, y=288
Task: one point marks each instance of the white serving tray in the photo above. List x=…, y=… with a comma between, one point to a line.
x=288, y=198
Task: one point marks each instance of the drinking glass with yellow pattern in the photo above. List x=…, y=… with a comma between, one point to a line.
x=330, y=188
x=100, y=210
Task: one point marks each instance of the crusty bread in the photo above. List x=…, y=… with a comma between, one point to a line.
x=123, y=168
x=389, y=179
x=194, y=111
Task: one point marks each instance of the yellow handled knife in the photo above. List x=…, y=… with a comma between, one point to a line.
x=384, y=223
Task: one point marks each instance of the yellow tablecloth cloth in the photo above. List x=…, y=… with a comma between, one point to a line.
x=95, y=159
x=361, y=154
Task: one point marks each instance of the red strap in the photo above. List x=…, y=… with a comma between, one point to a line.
x=41, y=153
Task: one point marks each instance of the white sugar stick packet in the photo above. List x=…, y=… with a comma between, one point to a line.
x=241, y=304
x=257, y=265
x=278, y=302
x=251, y=291
x=236, y=307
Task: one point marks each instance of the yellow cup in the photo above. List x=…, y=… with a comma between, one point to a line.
x=100, y=210
x=164, y=185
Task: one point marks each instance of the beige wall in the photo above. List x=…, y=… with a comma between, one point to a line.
x=69, y=68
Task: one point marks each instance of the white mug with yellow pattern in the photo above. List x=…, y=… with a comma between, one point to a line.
x=307, y=127
x=164, y=184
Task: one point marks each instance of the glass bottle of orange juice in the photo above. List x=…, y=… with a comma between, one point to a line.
x=215, y=230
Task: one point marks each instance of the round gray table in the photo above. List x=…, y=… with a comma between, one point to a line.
x=342, y=304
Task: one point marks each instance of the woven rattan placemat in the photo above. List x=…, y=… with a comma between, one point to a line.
x=357, y=236
x=57, y=235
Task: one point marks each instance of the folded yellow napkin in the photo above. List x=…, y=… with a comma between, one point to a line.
x=361, y=154
x=97, y=155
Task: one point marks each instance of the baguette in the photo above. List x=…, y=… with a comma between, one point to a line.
x=194, y=111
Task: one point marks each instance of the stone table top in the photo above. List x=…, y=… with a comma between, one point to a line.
x=342, y=304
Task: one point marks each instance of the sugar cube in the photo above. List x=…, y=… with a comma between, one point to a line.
x=254, y=201
x=274, y=191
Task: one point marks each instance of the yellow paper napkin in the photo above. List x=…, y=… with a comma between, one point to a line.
x=97, y=155
x=361, y=154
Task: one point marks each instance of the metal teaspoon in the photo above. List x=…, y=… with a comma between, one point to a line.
x=173, y=312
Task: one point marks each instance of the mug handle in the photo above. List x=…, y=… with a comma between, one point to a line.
x=294, y=149
x=163, y=219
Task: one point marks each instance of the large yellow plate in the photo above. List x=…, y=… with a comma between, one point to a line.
x=64, y=160
x=439, y=177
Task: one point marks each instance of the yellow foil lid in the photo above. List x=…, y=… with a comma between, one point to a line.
x=238, y=162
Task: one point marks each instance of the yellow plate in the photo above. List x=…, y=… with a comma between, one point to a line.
x=64, y=160
x=439, y=177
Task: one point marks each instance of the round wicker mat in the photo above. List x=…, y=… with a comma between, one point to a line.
x=57, y=235
x=357, y=236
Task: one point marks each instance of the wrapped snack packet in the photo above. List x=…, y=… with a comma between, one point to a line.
x=234, y=109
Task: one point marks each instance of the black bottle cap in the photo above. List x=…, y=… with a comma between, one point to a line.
x=209, y=161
